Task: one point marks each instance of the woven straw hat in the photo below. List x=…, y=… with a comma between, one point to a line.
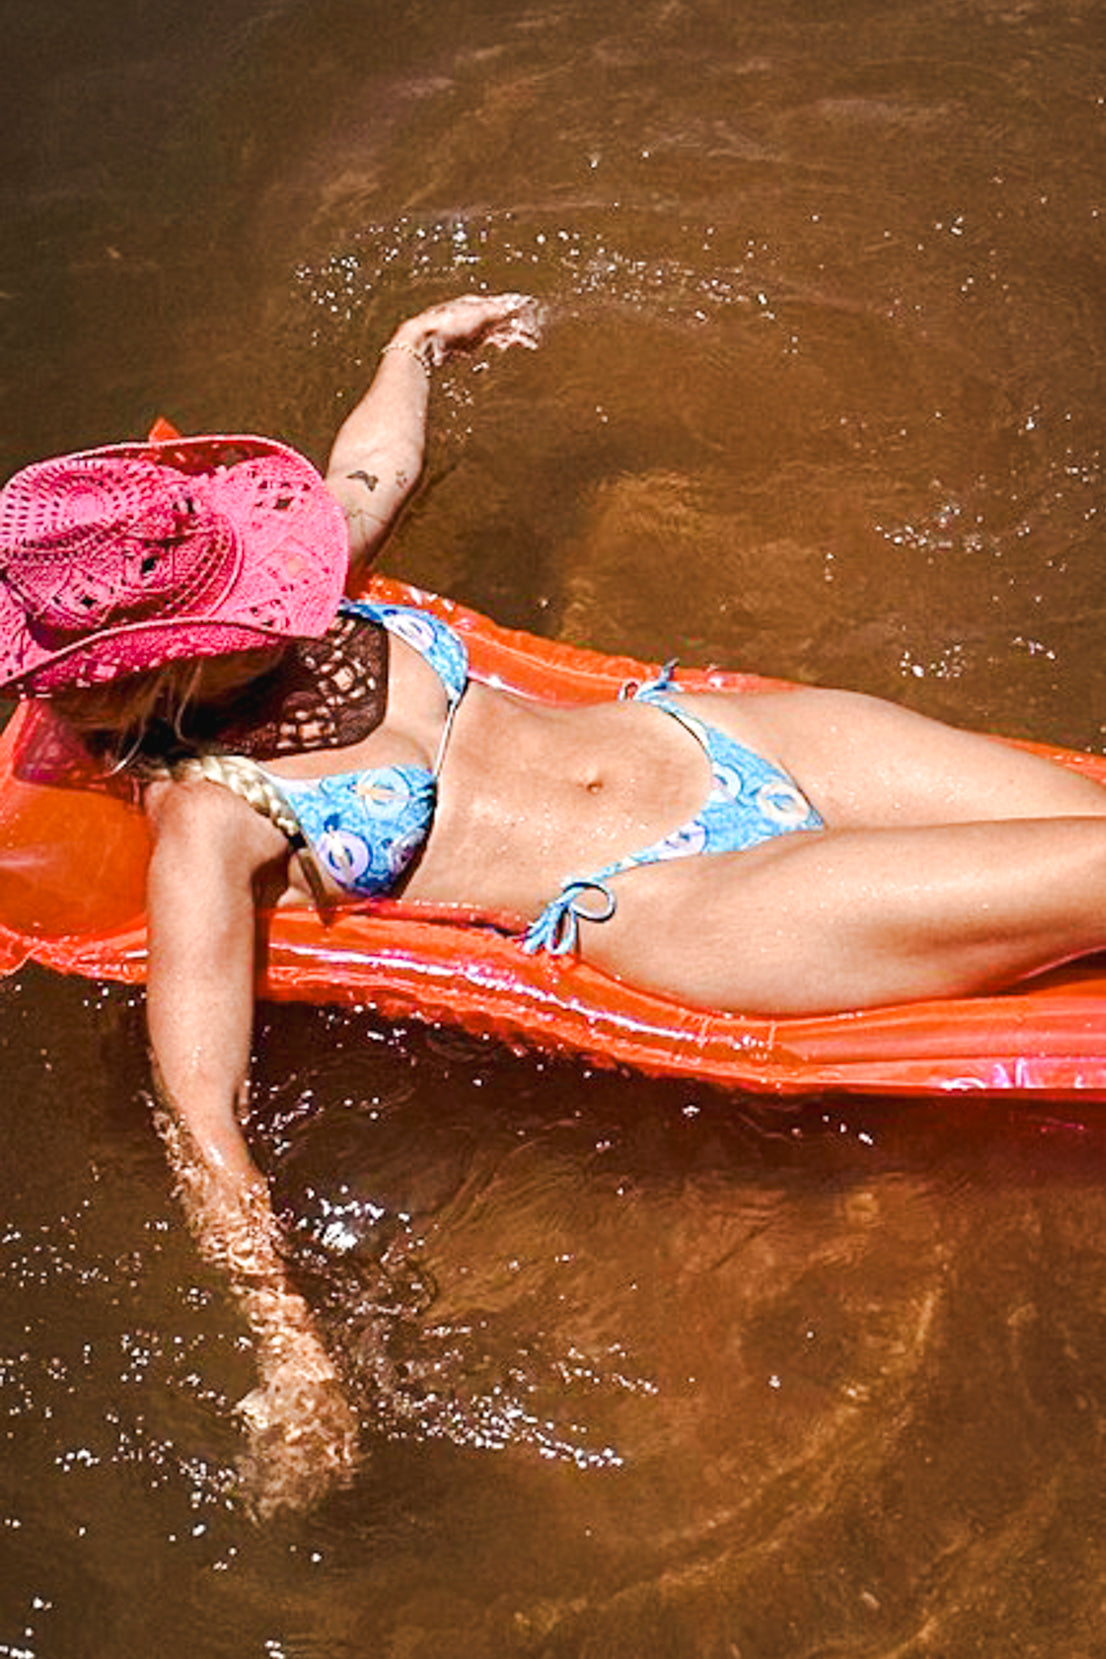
x=121, y=559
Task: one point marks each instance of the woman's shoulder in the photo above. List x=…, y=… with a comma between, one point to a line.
x=197, y=815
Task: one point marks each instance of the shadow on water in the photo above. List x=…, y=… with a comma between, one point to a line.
x=643, y=1369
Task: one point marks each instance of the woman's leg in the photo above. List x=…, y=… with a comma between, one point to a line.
x=866, y=763
x=815, y=923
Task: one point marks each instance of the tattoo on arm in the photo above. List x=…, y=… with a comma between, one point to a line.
x=369, y=479
x=401, y=479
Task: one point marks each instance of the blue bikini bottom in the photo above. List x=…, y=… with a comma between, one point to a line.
x=750, y=801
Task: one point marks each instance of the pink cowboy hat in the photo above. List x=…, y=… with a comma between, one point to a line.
x=119, y=559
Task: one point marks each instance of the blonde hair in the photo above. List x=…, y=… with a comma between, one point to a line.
x=118, y=716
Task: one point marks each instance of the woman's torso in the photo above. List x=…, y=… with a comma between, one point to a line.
x=529, y=794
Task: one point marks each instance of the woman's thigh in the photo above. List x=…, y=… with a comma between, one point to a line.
x=866, y=762
x=820, y=922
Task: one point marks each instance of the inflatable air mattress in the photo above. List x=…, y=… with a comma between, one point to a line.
x=72, y=869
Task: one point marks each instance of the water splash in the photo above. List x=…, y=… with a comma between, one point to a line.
x=566, y=262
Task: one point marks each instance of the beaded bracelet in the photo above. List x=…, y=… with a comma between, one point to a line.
x=409, y=351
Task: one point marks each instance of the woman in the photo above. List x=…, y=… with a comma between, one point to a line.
x=794, y=852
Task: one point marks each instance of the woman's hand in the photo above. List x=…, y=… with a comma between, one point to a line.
x=470, y=322
x=301, y=1430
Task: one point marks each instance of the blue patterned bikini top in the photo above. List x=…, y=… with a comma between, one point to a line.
x=366, y=827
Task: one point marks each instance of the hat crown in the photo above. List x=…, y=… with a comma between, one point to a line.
x=88, y=543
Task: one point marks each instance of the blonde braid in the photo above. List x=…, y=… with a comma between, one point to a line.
x=251, y=784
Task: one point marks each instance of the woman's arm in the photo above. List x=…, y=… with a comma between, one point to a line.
x=207, y=855
x=209, y=852
x=378, y=454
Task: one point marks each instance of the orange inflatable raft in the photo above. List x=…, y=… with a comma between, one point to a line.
x=72, y=869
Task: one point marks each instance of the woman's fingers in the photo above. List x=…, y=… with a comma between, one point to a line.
x=474, y=320
x=522, y=327
x=302, y=1438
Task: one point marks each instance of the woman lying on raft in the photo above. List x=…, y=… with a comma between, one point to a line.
x=794, y=852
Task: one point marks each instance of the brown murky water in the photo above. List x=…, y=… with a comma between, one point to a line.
x=644, y=1369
